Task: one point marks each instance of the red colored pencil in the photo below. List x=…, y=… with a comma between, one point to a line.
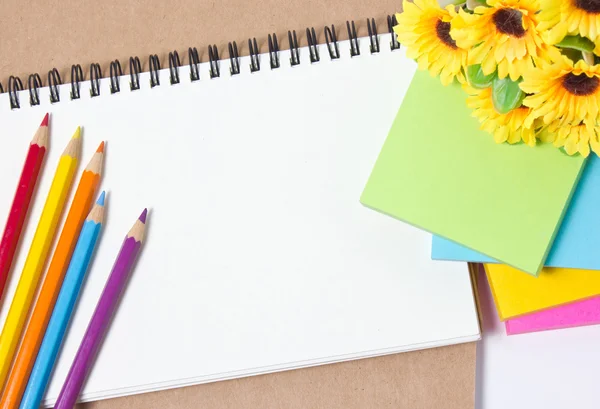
x=20, y=205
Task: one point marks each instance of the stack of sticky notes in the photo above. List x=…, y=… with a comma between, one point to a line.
x=529, y=214
x=565, y=293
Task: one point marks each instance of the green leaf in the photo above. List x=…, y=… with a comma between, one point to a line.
x=572, y=55
x=506, y=95
x=577, y=43
x=477, y=78
x=472, y=4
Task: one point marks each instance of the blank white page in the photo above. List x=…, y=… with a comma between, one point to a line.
x=259, y=256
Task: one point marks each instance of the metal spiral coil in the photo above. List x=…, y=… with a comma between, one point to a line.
x=115, y=76
x=54, y=81
x=76, y=78
x=294, y=49
x=154, y=69
x=194, y=62
x=95, y=75
x=254, y=56
x=14, y=86
x=274, y=51
x=313, y=48
x=174, y=64
x=34, y=83
x=234, y=59
x=135, y=68
x=332, y=43
x=213, y=58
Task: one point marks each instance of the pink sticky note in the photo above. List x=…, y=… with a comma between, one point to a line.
x=585, y=312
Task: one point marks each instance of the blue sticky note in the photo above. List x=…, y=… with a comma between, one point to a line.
x=442, y=249
x=577, y=243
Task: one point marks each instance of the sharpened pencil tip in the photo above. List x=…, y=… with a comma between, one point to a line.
x=77, y=133
x=45, y=121
x=100, y=200
x=142, y=217
x=100, y=148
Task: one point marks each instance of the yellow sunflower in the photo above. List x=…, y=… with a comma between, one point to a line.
x=573, y=138
x=562, y=93
x=503, y=36
x=424, y=29
x=509, y=127
x=569, y=17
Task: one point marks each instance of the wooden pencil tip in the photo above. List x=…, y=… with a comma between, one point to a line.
x=77, y=133
x=139, y=228
x=142, y=217
x=100, y=148
x=74, y=146
x=95, y=165
x=97, y=213
x=45, y=121
x=41, y=136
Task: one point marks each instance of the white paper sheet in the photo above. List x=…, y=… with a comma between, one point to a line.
x=259, y=256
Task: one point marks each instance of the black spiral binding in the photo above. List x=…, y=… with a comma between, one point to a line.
x=213, y=59
x=313, y=48
x=76, y=78
x=34, y=83
x=274, y=51
x=373, y=37
x=392, y=22
x=354, y=47
x=174, y=64
x=234, y=58
x=254, y=56
x=115, y=76
x=135, y=67
x=194, y=62
x=53, y=82
x=332, y=44
x=14, y=86
x=154, y=69
x=95, y=75
x=294, y=49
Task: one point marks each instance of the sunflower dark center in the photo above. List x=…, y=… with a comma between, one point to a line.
x=509, y=22
x=580, y=85
x=442, y=29
x=591, y=6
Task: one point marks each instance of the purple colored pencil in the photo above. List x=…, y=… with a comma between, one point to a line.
x=102, y=315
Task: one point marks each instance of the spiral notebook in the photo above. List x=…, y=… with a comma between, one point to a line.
x=259, y=256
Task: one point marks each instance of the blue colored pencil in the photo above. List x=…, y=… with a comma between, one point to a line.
x=46, y=358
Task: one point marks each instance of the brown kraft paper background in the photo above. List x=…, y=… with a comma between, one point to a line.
x=36, y=36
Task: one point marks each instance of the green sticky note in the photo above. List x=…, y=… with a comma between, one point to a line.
x=438, y=171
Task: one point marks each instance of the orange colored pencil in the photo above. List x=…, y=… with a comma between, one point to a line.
x=82, y=202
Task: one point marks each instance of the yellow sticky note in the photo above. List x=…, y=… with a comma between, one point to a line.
x=517, y=293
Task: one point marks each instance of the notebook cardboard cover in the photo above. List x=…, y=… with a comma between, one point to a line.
x=434, y=378
x=40, y=36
